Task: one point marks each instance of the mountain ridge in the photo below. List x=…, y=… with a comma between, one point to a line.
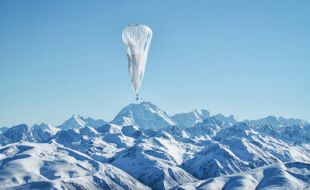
x=196, y=116
x=151, y=150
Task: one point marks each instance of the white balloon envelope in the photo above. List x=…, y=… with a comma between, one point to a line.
x=137, y=39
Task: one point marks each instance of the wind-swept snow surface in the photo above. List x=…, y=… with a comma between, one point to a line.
x=48, y=166
x=293, y=176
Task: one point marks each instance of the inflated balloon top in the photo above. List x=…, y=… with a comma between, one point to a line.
x=137, y=39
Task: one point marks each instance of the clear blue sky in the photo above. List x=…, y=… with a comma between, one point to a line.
x=246, y=58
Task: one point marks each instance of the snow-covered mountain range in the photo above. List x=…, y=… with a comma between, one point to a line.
x=145, y=148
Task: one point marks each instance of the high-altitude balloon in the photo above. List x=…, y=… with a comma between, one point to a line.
x=137, y=39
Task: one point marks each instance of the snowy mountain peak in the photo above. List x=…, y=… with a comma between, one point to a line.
x=43, y=132
x=190, y=119
x=76, y=121
x=18, y=133
x=143, y=115
x=45, y=127
x=226, y=121
x=94, y=122
x=36, y=133
x=278, y=121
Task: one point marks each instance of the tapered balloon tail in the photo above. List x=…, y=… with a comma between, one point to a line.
x=137, y=97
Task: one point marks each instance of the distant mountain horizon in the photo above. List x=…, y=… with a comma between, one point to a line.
x=79, y=119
